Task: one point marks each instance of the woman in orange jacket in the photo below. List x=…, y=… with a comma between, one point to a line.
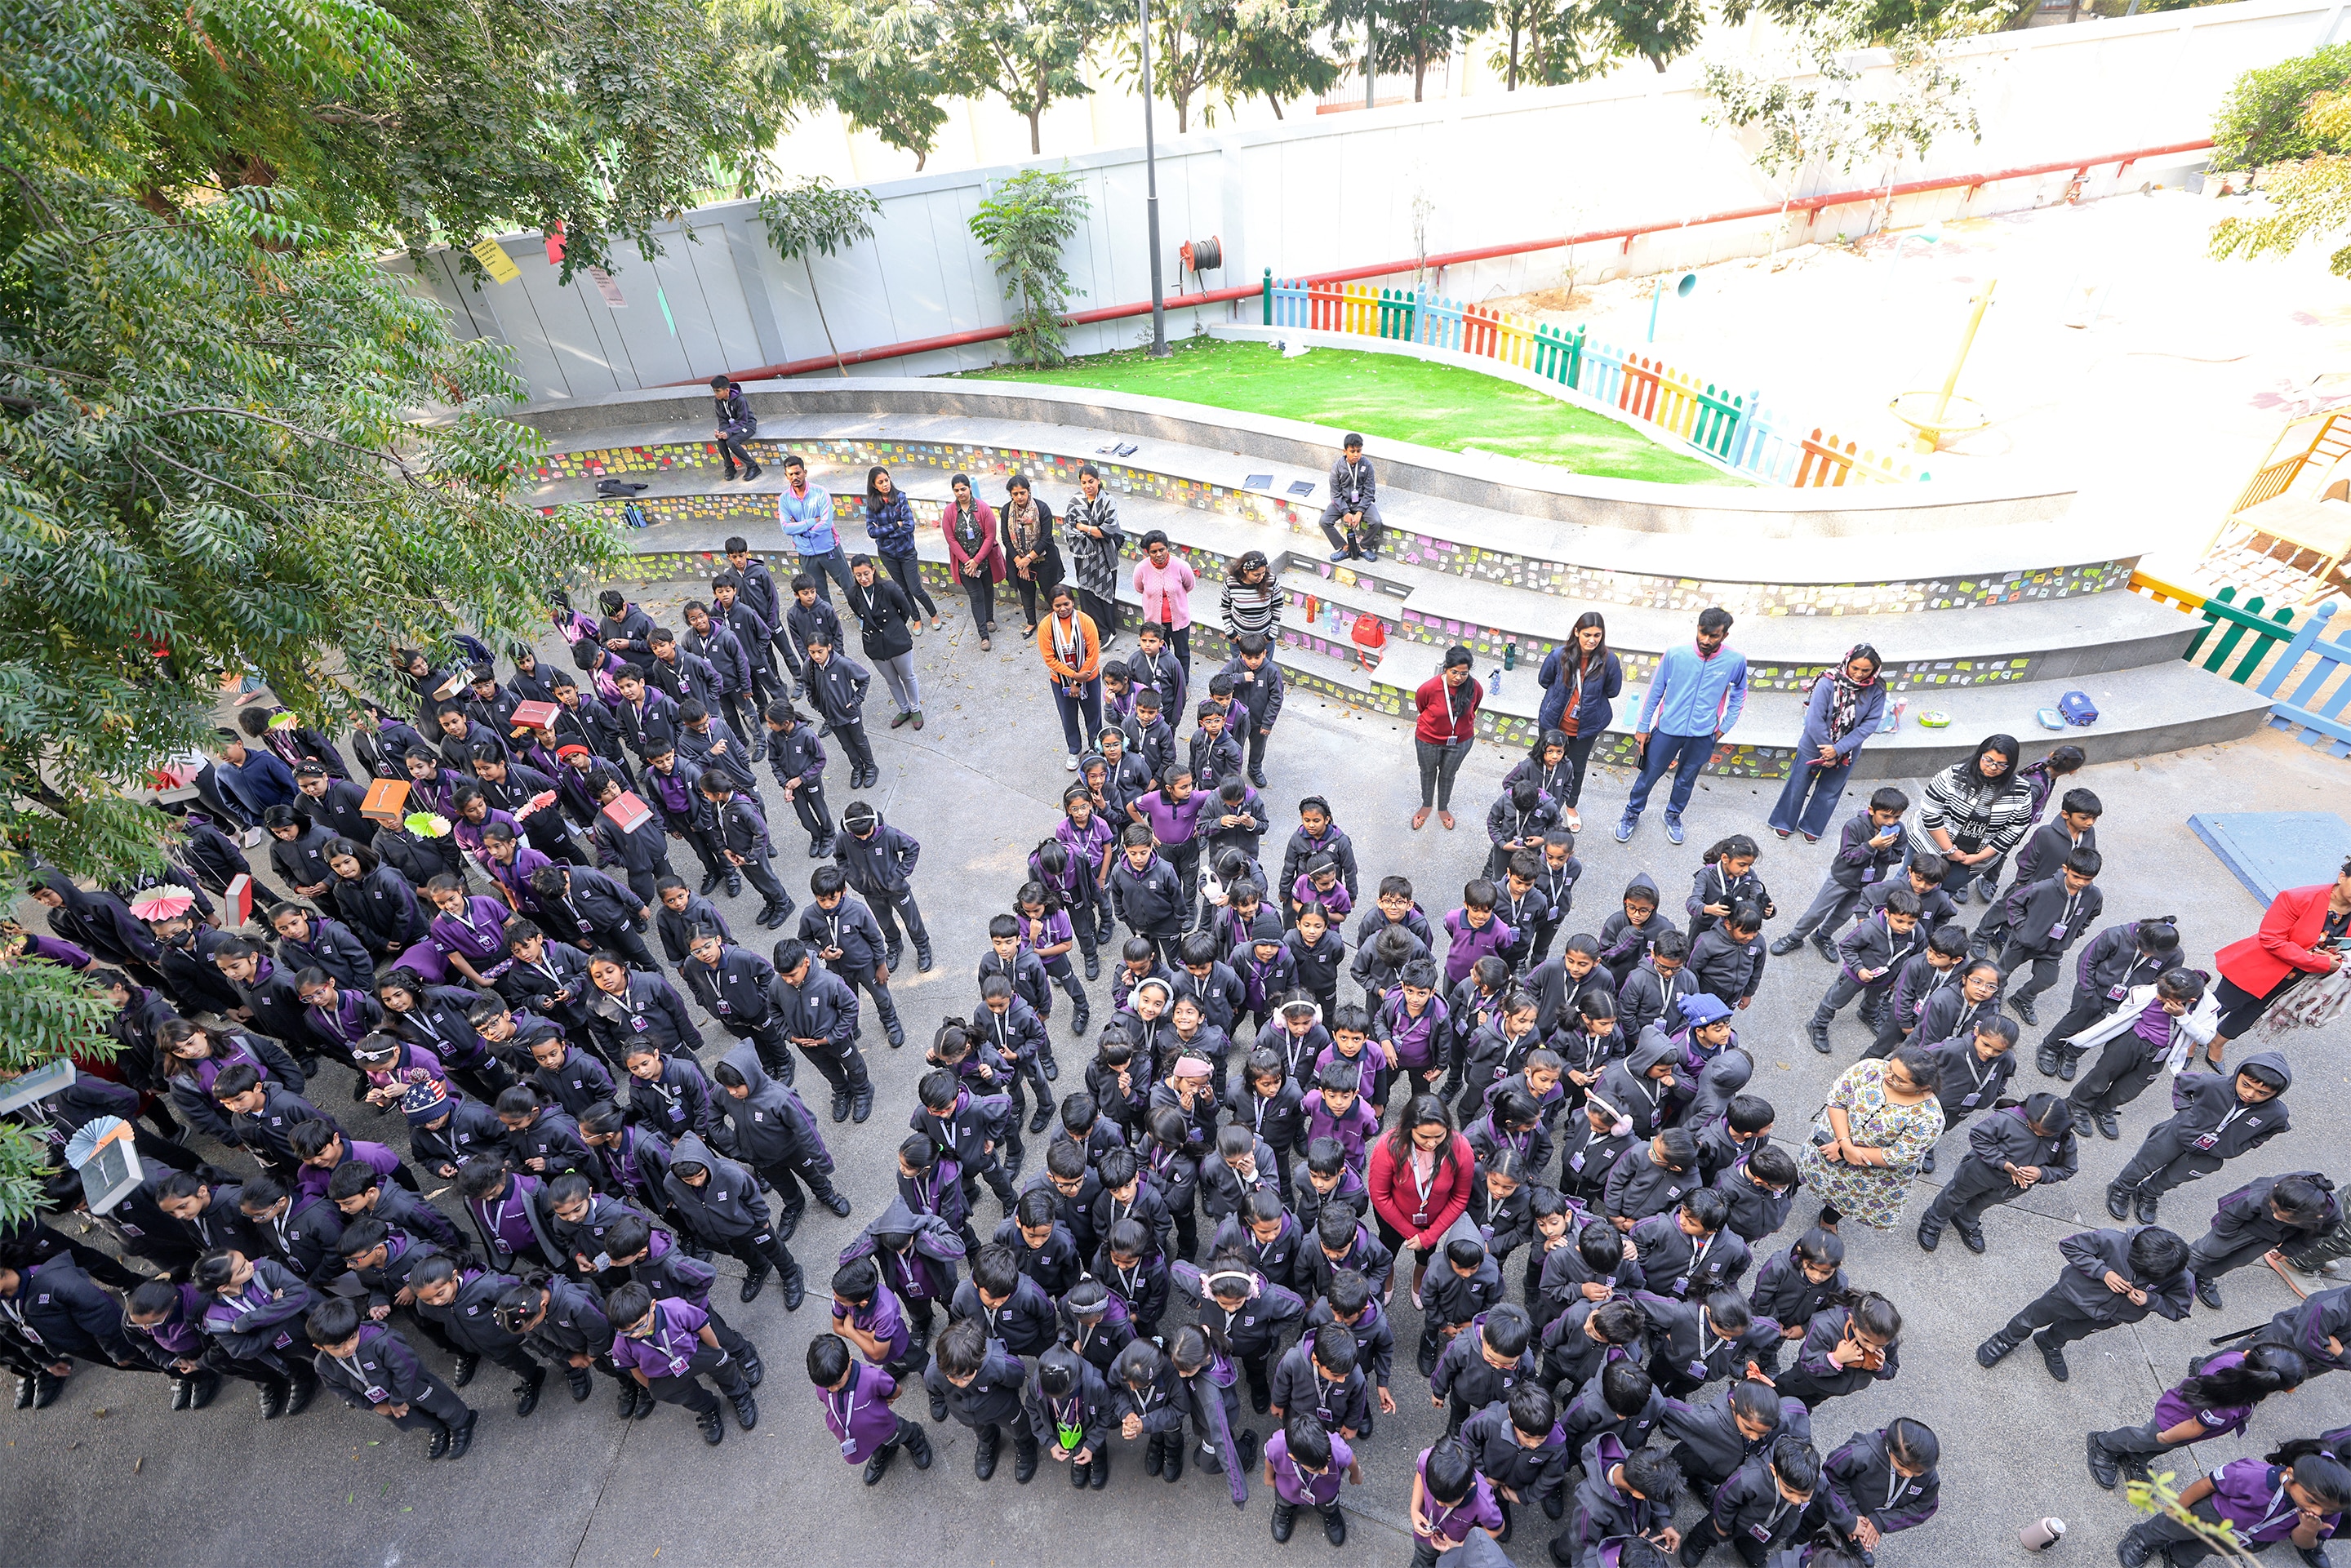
x=1072, y=649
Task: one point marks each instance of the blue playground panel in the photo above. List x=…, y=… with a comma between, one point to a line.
x=2269, y=852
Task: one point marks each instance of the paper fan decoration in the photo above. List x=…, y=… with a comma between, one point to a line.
x=426, y=824
x=162, y=903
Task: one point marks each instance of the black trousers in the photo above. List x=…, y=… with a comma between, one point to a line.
x=808, y=804
x=731, y=448
x=686, y=1389
x=2088, y=1006
x=2014, y=956
x=762, y=876
x=2120, y=1075
x=853, y=744
x=890, y=905
x=1103, y=612
x=759, y=1249
x=981, y=592
x=2056, y=1317
x=621, y=939
x=787, y=1177
x=437, y=1405
x=842, y=1064
x=906, y=571
x=743, y=708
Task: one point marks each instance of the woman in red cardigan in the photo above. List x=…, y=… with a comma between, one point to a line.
x=2301, y=935
x=1420, y=1176
x=1446, y=703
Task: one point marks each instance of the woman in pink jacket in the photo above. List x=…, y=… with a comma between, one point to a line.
x=974, y=557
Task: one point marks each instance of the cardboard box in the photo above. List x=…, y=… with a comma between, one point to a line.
x=528, y=717
x=628, y=813
x=386, y=802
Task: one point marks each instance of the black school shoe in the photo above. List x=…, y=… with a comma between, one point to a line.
x=795, y=1288
x=1024, y=1454
x=630, y=1394
x=841, y=1105
x=2022, y=1006
x=983, y=1456
x=2148, y=1203
x=837, y=1203
x=746, y=1409
x=460, y=1436
x=2105, y=1468
x=2052, y=1356
x=1285, y=1519
x=527, y=1393
x=183, y=1391
x=438, y=1444
x=2209, y=1291
x=1097, y=1472
x=1786, y=944
x=1334, y=1525
x=755, y=1279
x=2119, y=1203
x=580, y=1382
x=879, y=1465
x=713, y=1424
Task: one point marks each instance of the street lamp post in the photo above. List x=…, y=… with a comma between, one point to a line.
x=1150, y=199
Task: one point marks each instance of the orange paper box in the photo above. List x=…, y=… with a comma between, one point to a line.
x=386, y=802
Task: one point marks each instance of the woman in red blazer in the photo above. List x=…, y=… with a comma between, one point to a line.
x=2299, y=936
x=1420, y=1178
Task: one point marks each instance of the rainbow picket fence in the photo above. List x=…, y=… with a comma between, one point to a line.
x=1733, y=430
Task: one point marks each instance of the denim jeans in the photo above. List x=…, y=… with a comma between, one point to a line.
x=1686, y=755
x=1794, y=813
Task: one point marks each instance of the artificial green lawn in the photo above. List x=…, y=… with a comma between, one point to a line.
x=1383, y=395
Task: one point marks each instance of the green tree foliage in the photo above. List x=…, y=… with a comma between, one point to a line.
x=1416, y=30
x=1820, y=107
x=1030, y=53
x=2309, y=196
x=1552, y=43
x=1274, y=51
x=440, y=120
x=1222, y=52
x=1883, y=21
x=814, y=219
x=211, y=453
x=2265, y=119
x=888, y=75
x=1659, y=31
x=1025, y=223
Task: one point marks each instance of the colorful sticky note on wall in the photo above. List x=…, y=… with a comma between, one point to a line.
x=495, y=260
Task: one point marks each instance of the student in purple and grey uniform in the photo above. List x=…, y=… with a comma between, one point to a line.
x=2263, y=1503
x=666, y=1346
x=866, y=1312
x=1450, y=1501
x=2216, y=1399
x=978, y=1383
x=857, y=1396
x=1304, y=1465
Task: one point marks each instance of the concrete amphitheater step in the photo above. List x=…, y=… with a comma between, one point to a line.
x=2120, y=649
x=1755, y=568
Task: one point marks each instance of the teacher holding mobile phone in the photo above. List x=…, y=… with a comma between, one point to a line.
x=2302, y=935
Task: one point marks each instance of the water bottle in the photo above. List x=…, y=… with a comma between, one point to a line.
x=2040, y=1535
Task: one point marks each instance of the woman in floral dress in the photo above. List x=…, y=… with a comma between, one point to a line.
x=1884, y=1117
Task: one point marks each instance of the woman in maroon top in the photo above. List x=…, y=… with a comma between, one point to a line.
x=1419, y=1180
x=1449, y=719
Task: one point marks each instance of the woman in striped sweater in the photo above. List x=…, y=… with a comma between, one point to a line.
x=1252, y=599
x=1975, y=811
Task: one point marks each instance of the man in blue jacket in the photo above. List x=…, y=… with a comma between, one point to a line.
x=1694, y=699
x=805, y=509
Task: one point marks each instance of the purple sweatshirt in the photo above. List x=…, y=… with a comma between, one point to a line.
x=859, y=1415
x=1465, y=945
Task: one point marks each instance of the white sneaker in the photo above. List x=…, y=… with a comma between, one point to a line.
x=1070, y=764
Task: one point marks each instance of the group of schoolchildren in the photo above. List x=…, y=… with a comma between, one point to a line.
x=1587, y=1112
x=479, y=964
